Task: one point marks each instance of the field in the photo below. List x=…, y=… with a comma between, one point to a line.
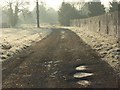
x=13, y=40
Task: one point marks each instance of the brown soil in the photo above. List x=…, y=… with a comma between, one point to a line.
x=51, y=63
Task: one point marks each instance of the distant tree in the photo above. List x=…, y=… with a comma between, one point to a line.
x=66, y=13
x=52, y=16
x=16, y=15
x=4, y=18
x=14, y=8
x=42, y=13
x=114, y=6
x=11, y=15
x=95, y=8
x=84, y=12
x=47, y=15
x=26, y=17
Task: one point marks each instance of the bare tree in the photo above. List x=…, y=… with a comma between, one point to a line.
x=37, y=12
x=78, y=4
x=14, y=8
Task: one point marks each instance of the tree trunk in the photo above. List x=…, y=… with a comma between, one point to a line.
x=11, y=21
x=37, y=12
x=16, y=14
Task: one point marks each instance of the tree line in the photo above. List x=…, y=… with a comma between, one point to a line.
x=89, y=9
x=16, y=13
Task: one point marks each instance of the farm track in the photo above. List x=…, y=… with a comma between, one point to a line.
x=61, y=60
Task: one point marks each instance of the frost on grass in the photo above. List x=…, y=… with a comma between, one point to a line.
x=13, y=41
x=105, y=46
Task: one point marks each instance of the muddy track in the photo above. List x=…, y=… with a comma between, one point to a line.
x=61, y=60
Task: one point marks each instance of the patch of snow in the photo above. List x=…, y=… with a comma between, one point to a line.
x=106, y=46
x=14, y=40
x=81, y=75
x=84, y=83
x=81, y=68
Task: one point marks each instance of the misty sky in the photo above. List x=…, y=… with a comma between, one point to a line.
x=52, y=3
x=57, y=3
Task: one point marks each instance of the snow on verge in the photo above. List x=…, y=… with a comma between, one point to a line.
x=106, y=46
x=13, y=41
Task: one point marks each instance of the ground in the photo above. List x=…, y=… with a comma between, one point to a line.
x=62, y=59
x=106, y=46
x=14, y=40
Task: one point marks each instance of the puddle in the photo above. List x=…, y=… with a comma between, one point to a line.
x=81, y=68
x=81, y=75
x=62, y=32
x=84, y=83
x=63, y=36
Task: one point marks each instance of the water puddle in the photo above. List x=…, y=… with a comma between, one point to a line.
x=84, y=83
x=81, y=75
x=62, y=34
x=81, y=68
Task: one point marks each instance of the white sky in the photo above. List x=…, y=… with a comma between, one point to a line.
x=50, y=3
x=56, y=3
x=53, y=3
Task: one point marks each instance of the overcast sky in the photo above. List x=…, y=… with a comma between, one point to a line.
x=53, y=3
x=57, y=3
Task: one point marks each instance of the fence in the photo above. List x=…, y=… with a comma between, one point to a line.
x=106, y=24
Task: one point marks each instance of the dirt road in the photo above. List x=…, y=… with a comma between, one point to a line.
x=61, y=60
